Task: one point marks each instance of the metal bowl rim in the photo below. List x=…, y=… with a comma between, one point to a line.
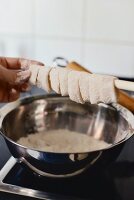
x=24, y=100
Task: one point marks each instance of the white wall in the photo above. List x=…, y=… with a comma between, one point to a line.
x=97, y=33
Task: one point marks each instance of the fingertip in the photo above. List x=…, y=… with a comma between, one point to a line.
x=33, y=62
x=13, y=95
x=25, y=87
x=25, y=63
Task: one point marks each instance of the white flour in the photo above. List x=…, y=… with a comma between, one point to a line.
x=62, y=141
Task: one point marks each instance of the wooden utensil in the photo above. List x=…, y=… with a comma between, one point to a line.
x=122, y=98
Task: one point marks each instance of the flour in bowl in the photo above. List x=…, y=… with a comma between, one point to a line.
x=62, y=141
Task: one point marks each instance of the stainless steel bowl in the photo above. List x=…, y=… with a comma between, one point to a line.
x=35, y=114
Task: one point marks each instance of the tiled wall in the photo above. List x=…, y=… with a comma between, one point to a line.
x=97, y=33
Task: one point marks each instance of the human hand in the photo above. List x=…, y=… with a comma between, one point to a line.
x=14, y=74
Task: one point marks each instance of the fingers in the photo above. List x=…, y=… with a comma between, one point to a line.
x=25, y=63
x=33, y=62
x=9, y=67
x=7, y=75
x=13, y=95
x=24, y=87
x=8, y=93
x=11, y=63
x=17, y=63
x=14, y=77
x=23, y=76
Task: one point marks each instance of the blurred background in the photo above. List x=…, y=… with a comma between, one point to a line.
x=99, y=34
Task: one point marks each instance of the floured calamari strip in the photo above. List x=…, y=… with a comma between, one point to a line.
x=54, y=79
x=84, y=86
x=73, y=87
x=43, y=78
x=101, y=89
x=34, y=73
x=63, y=78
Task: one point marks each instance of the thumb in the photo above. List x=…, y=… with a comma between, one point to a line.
x=13, y=77
x=7, y=75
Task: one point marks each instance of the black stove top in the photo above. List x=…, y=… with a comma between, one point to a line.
x=113, y=182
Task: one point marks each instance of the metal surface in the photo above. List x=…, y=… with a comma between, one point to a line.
x=35, y=114
x=4, y=187
x=60, y=62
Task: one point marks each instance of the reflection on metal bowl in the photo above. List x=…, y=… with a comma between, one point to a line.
x=49, y=112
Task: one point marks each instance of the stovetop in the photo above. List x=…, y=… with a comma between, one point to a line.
x=23, y=185
x=113, y=182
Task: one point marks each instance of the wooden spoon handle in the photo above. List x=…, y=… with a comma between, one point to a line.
x=122, y=98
